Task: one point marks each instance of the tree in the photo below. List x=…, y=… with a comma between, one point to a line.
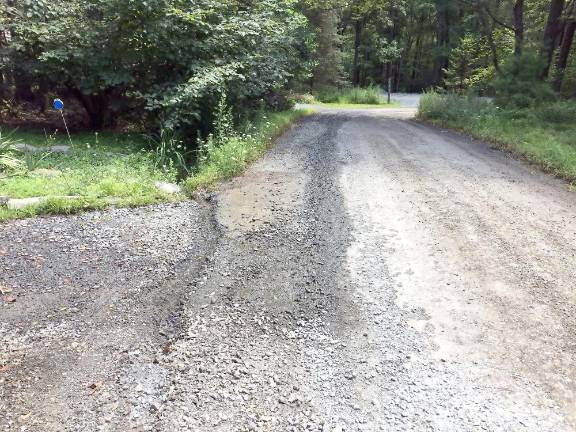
x=552, y=33
x=160, y=58
x=327, y=54
x=565, y=46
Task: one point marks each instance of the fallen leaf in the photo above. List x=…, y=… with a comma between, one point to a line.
x=10, y=299
x=96, y=386
x=5, y=289
x=24, y=417
x=4, y=368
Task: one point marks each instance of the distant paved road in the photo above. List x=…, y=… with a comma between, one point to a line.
x=407, y=100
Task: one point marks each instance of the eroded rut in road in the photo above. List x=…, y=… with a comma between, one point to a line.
x=369, y=273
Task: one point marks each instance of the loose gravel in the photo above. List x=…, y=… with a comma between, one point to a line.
x=357, y=278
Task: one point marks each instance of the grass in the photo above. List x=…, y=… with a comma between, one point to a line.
x=120, y=169
x=545, y=135
x=353, y=95
x=350, y=97
x=225, y=157
x=100, y=169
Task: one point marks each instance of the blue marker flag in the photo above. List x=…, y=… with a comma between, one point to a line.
x=58, y=104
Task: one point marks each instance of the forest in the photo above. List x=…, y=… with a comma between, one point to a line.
x=186, y=76
x=165, y=63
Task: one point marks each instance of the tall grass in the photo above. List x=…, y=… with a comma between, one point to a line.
x=9, y=162
x=371, y=95
x=229, y=151
x=544, y=134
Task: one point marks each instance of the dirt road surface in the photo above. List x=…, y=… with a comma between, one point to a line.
x=370, y=273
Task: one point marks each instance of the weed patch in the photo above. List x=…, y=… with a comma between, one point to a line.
x=228, y=153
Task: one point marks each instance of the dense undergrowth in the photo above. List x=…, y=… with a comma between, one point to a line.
x=543, y=133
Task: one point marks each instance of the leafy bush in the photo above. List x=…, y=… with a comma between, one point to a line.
x=305, y=98
x=355, y=95
x=162, y=62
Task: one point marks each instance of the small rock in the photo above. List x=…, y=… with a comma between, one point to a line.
x=45, y=172
x=21, y=203
x=169, y=188
x=292, y=398
x=27, y=148
x=60, y=149
x=18, y=204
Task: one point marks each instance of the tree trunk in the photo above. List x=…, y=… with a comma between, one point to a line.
x=565, y=48
x=518, y=13
x=97, y=108
x=552, y=33
x=356, y=66
x=415, y=59
x=23, y=91
x=442, y=39
x=489, y=33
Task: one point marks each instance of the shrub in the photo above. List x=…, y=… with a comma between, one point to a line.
x=519, y=85
x=558, y=112
x=451, y=106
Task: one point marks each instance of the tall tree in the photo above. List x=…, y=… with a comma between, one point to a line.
x=518, y=12
x=552, y=33
x=565, y=46
x=442, y=38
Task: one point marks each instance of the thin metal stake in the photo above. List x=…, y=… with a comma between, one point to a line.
x=66, y=126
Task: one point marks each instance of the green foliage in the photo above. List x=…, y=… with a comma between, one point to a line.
x=558, y=112
x=169, y=153
x=524, y=131
x=450, y=106
x=9, y=163
x=100, y=170
x=168, y=59
x=371, y=95
x=305, y=98
x=228, y=152
x=471, y=66
x=519, y=85
x=324, y=50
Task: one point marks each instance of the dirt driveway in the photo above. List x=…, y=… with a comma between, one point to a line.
x=369, y=273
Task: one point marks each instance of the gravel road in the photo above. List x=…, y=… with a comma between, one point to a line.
x=370, y=273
